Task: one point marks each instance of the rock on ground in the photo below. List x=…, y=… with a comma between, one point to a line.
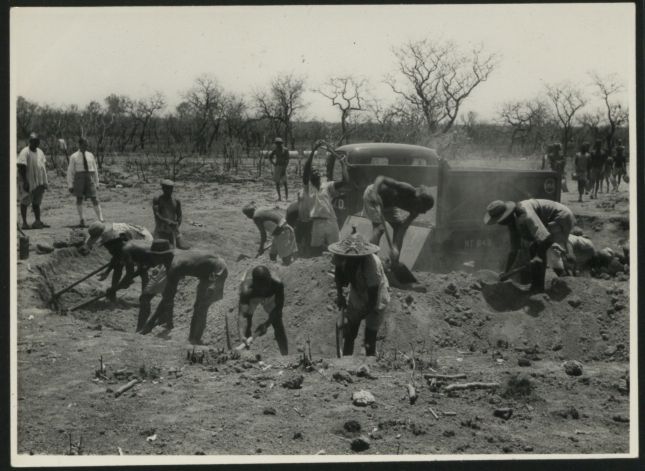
x=362, y=398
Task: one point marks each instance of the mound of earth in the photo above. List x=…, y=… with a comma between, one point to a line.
x=581, y=318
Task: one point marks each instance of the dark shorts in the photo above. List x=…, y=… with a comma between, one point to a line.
x=84, y=185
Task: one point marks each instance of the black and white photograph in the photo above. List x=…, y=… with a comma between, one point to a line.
x=323, y=233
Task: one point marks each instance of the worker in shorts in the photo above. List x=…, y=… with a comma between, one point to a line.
x=83, y=180
x=168, y=216
x=210, y=269
x=103, y=233
x=32, y=181
x=279, y=158
x=620, y=167
x=582, y=164
x=324, y=228
x=598, y=158
x=260, y=286
x=272, y=221
x=388, y=199
x=541, y=223
x=357, y=265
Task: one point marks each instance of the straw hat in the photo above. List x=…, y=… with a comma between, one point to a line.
x=498, y=211
x=353, y=246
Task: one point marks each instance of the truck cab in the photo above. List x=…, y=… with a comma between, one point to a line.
x=452, y=233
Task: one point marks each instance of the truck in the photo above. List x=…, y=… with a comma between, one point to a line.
x=452, y=234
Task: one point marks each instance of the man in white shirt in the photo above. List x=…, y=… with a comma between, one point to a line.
x=32, y=180
x=324, y=230
x=83, y=180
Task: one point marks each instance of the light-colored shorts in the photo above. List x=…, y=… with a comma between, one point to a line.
x=280, y=174
x=23, y=196
x=268, y=304
x=84, y=185
x=284, y=243
x=324, y=232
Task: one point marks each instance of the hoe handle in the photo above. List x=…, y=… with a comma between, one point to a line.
x=508, y=274
x=65, y=290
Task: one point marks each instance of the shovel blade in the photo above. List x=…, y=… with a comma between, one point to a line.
x=488, y=277
x=402, y=273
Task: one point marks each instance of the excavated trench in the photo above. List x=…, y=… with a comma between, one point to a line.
x=577, y=318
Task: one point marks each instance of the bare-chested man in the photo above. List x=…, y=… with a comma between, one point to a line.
x=209, y=268
x=260, y=286
x=389, y=198
x=272, y=221
x=279, y=158
x=168, y=215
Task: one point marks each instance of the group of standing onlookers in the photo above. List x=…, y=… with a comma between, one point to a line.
x=592, y=167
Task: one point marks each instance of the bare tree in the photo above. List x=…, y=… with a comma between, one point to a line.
x=591, y=121
x=566, y=101
x=384, y=118
x=438, y=77
x=616, y=114
x=527, y=119
x=347, y=94
x=282, y=102
x=143, y=111
x=204, y=104
x=25, y=111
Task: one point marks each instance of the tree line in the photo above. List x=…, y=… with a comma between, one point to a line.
x=432, y=81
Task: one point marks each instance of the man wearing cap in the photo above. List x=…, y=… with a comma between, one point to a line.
x=388, y=199
x=598, y=158
x=324, y=228
x=167, y=211
x=32, y=181
x=83, y=179
x=260, y=286
x=539, y=222
x=272, y=221
x=582, y=163
x=279, y=158
x=357, y=265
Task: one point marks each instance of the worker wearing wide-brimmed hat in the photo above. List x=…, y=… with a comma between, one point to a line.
x=168, y=215
x=537, y=221
x=358, y=266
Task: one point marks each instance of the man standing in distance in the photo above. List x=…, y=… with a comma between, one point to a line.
x=83, y=180
x=32, y=172
x=168, y=215
x=279, y=158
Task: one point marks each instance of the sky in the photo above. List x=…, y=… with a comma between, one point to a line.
x=63, y=56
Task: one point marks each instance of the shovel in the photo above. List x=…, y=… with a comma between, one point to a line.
x=489, y=277
x=340, y=322
x=399, y=271
x=89, y=275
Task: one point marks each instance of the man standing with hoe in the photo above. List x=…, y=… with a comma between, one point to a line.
x=260, y=286
x=167, y=211
x=279, y=158
x=357, y=265
x=32, y=183
x=543, y=223
x=83, y=180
